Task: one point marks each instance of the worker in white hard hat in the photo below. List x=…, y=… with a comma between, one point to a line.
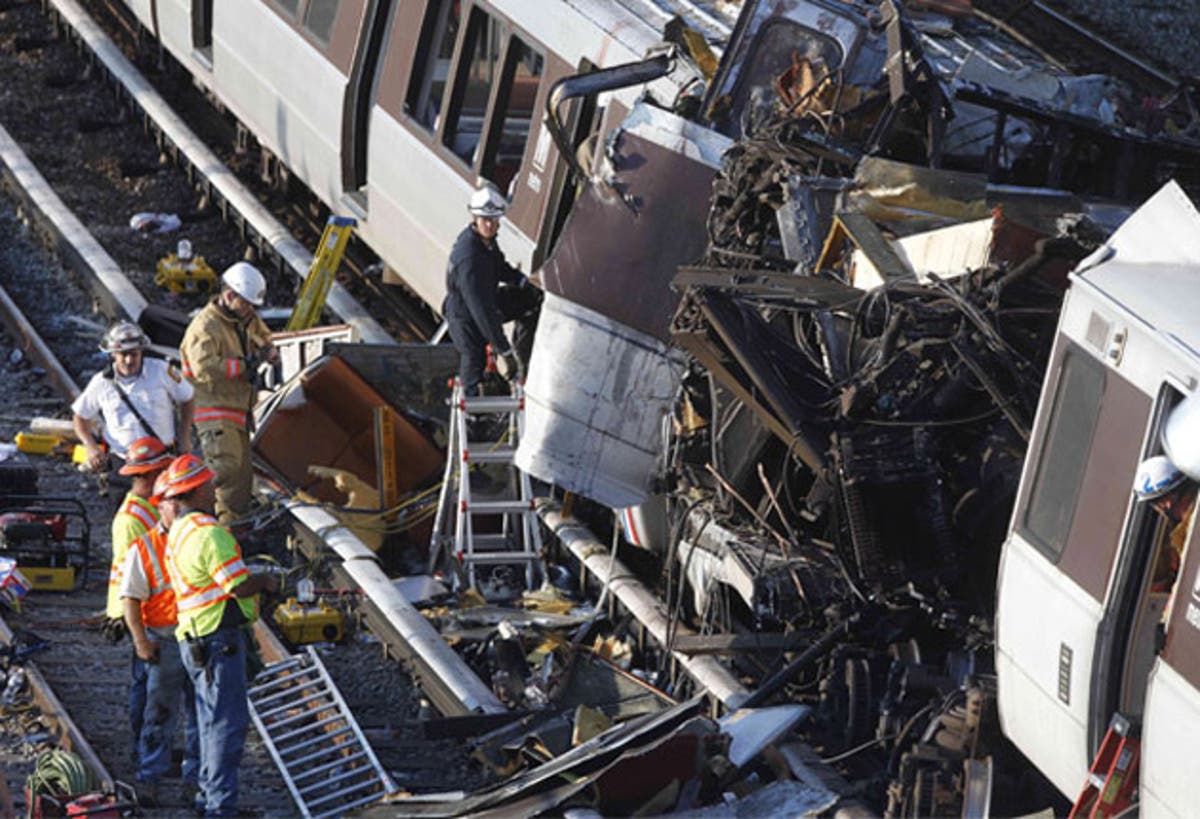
x=483, y=291
x=132, y=397
x=221, y=350
x=1160, y=483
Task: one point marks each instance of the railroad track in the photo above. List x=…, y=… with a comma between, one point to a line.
x=51, y=338
x=1080, y=49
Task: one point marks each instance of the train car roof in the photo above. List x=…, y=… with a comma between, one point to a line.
x=1151, y=266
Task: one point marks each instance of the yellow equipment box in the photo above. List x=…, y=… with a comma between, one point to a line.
x=308, y=622
x=37, y=443
x=45, y=578
x=189, y=275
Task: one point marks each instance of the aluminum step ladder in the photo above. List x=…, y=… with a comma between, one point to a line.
x=321, y=272
x=519, y=541
x=325, y=760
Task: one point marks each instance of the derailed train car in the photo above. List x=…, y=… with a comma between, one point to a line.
x=819, y=424
x=847, y=445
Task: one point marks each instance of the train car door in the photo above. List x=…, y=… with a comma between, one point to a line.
x=361, y=89
x=1056, y=565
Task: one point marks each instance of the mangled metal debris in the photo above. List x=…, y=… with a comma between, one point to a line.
x=798, y=394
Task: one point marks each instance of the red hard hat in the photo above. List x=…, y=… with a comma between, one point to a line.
x=145, y=455
x=184, y=474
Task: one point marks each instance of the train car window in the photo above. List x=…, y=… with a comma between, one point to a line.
x=319, y=17
x=514, y=113
x=783, y=55
x=1064, y=452
x=439, y=31
x=477, y=71
x=288, y=7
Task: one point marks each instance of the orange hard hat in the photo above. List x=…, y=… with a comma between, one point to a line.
x=160, y=486
x=145, y=455
x=184, y=474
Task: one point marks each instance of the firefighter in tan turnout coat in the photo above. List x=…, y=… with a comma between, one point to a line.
x=220, y=351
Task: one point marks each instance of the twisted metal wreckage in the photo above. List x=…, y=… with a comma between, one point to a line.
x=863, y=258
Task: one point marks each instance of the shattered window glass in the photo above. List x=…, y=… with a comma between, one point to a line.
x=1066, y=445
x=473, y=85
x=432, y=66
x=788, y=65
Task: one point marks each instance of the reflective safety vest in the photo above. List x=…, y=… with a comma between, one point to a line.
x=135, y=518
x=150, y=550
x=205, y=565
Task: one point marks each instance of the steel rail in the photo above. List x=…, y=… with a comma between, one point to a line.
x=207, y=171
x=69, y=737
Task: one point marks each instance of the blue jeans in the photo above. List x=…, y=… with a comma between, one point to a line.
x=137, y=702
x=167, y=686
x=222, y=716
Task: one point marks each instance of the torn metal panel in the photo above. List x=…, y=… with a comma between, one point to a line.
x=596, y=397
x=624, y=238
x=751, y=730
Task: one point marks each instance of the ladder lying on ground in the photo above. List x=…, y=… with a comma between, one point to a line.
x=519, y=540
x=313, y=738
x=315, y=288
x=1113, y=777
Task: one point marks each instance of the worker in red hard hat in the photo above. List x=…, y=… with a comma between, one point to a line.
x=216, y=595
x=137, y=515
x=151, y=615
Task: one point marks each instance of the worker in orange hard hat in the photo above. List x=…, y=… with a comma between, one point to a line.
x=150, y=613
x=215, y=596
x=137, y=515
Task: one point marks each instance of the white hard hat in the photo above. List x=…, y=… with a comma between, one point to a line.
x=489, y=202
x=244, y=279
x=183, y=250
x=123, y=337
x=1156, y=476
x=1181, y=436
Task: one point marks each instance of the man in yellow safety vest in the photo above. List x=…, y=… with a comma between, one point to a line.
x=136, y=516
x=216, y=595
x=150, y=613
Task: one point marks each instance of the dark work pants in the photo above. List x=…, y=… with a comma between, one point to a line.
x=519, y=304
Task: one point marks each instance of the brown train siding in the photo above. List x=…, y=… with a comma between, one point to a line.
x=1182, y=651
x=1104, y=493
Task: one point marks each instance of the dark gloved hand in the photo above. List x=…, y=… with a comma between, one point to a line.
x=114, y=630
x=510, y=367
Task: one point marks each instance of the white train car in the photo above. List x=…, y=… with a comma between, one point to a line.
x=1083, y=630
x=390, y=110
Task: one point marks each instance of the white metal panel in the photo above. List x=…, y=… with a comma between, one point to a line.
x=417, y=205
x=284, y=90
x=1169, y=767
x=175, y=32
x=1039, y=610
x=141, y=10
